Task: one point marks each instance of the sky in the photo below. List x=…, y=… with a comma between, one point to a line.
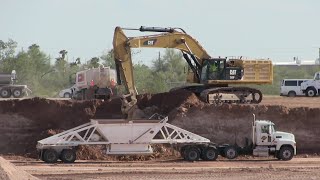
x=275, y=29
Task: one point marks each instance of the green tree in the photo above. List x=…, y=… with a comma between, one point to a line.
x=94, y=62
x=108, y=59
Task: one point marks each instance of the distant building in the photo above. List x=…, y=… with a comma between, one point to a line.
x=298, y=62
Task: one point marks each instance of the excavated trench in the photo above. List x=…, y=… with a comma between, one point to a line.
x=24, y=122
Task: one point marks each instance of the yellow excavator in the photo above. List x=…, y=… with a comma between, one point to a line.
x=209, y=77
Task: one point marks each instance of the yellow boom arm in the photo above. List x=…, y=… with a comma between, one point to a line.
x=170, y=38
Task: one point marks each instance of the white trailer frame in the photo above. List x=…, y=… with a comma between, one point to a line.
x=122, y=136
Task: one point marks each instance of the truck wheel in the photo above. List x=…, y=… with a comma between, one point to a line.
x=67, y=95
x=311, y=92
x=230, y=152
x=50, y=156
x=68, y=156
x=291, y=94
x=17, y=93
x=192, y=154
x=286, y=153
x=5, y=93
x=183, y=152
x=209, y=154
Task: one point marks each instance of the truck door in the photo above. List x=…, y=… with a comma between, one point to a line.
x=317, y=82
x=264, y=137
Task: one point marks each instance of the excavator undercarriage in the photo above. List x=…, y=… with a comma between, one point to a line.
x=218, y=94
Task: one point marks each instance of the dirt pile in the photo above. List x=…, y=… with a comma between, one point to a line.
x=96, y=152
x=9, y=171
x=24, y=122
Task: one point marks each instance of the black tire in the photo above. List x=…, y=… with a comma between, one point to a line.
x=183, y=152
x=67, y=95
x=292, y=94
x=5, y=93
x=209, y=154
x=311, y=92
x=68, y=156
x=50, y=156
x=286, y=153
x=231, y=152
x=17, y=93
x=192, y=154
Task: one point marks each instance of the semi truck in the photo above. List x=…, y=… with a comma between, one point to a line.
x=134, y=137
x=94, y=83
x=9, y=88
x=311, y=87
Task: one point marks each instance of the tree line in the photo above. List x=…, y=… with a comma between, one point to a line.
x=46, y=78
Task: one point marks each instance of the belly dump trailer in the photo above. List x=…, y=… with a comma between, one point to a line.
x=127, y=137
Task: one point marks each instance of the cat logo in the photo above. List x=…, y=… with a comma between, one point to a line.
x=150, y=42
x=233, y=72
x=264, y=138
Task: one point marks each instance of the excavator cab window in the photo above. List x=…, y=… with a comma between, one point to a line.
x=213, y=69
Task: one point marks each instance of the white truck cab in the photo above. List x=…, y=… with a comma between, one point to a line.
x=311, y=87
x=267, y=141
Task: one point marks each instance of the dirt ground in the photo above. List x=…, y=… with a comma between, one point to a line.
x=246, y=169
x=291, y=101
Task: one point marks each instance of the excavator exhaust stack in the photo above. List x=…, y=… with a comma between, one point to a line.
x=156, y=29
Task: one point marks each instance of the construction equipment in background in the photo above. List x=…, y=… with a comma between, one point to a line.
x=123, y=137
x=301, y=87
x=8, y=86
x=94, y=83
x=212, y=75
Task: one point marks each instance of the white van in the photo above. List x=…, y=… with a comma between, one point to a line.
x=291, y=87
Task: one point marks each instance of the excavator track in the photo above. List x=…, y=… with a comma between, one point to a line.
x=240, y=95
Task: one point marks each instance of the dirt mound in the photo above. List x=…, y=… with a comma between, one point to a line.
x=96, y=152
x=170, y=103
x=24, y=122
x=9, y=171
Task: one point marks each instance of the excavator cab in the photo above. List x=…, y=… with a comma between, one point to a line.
x=220, y=69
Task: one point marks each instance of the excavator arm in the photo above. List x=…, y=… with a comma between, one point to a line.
x=175, y=38
x=124, y=69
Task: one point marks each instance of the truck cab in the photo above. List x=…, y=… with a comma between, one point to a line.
x=220, y=69
x=311, y=88
x=267, y=141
